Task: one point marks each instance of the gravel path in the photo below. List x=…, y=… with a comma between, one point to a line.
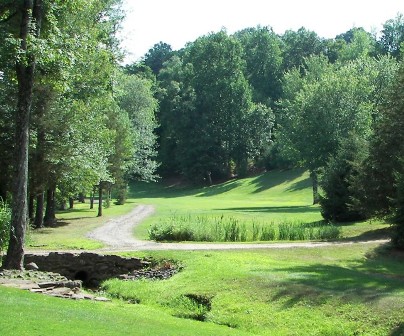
x=117, y=234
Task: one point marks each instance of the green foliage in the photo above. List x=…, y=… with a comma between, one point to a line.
x=5, y=219
x=336, y=182
x=380, y=178
x=230, y=229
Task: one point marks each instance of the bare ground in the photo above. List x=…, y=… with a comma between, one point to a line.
x=117, y=235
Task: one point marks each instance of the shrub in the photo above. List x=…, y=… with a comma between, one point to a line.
x=5, y=219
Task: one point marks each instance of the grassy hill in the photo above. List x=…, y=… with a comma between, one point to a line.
x=354, y=289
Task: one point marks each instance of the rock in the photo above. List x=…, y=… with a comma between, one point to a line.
x=31, y=267
x=101, y=299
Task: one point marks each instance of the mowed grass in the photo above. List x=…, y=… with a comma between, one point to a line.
x=267, y=199
x=336, y=290
x=23, y=313
x=355, y=289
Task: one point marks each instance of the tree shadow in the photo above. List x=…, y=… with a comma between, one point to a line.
x=381, y=274
x=398, y=331
x=275, y=209
x=300, y=185
x=384, y=233
x=271, y=179
x=219, y=188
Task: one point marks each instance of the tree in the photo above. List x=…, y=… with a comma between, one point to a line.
x=222, y=99
x=381, y=178
x=157, y=55
x=336, y=182
x=263, y=56
x=300, y=45
x=324, y=106
x=30, y=14
x=393, y=36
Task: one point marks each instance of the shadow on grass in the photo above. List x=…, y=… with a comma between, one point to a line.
x=219, y=189
x=273, y=178
x=380, y=275
x=398, y=331
x=384, y=233
x=276, y=209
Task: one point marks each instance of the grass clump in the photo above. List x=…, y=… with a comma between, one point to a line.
x=230, y=229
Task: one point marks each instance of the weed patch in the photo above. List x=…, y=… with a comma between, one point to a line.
x=230, y=229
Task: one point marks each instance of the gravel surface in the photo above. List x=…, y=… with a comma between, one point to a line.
x=117, y=234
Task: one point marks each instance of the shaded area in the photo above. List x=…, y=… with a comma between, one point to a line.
x=275, y=209
x=219, y=188
x=271, y=179
x=380, y=275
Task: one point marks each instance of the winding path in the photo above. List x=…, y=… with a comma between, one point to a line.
x=117, y=234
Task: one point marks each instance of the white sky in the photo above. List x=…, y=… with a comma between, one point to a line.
x=177, y=22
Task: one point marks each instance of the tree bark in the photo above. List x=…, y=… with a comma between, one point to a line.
x=50, y=217
x=82, y=198
x=314, y=178
x=31, y=207
x=25, y=69
x=71, y=203
x=40, y=200
x=100, y=200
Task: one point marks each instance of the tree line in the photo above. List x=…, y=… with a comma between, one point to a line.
x=72, y=120
x=234, y=104
x=75, y=122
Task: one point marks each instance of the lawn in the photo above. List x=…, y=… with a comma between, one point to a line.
x=355, y=289
x=267, y=199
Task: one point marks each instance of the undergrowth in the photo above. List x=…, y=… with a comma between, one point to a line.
x=230, y=229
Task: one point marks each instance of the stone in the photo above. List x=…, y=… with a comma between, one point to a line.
x=31, y=267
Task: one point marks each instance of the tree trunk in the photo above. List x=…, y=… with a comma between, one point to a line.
x=92, y=197
x=71, y=203
x=81, y=198
x=314, y=177
x=31, y=207
x=38, y=223
x=25, y=69
x=50, y=217
x=209, y=178
x=100, y=200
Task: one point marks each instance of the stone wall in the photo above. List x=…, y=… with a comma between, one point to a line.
x=91, y=268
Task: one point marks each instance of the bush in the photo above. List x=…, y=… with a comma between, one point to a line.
x=5, y=220
x=336, y=182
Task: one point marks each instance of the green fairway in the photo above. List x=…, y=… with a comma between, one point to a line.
x=267, y=200
x=352, y=289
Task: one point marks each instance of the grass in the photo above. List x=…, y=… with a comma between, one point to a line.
x=321, y=291
x=266, y=200
x=23, y=313
x=353, y=289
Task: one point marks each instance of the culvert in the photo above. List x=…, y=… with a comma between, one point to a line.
x=90, y=268
x=81, y=275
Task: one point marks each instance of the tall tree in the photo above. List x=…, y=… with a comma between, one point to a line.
x=157, y=55
x=298, y=45
x=263, y=55
x=30, y=14
x=393, y=36
x=324, y=106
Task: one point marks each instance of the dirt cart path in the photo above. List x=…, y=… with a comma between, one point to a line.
x=117, y=234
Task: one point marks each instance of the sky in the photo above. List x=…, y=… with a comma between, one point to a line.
x=177, y=22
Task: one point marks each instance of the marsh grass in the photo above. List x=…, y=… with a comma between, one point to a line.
x=230, y=229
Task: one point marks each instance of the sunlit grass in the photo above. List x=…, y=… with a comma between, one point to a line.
x=319, y=291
